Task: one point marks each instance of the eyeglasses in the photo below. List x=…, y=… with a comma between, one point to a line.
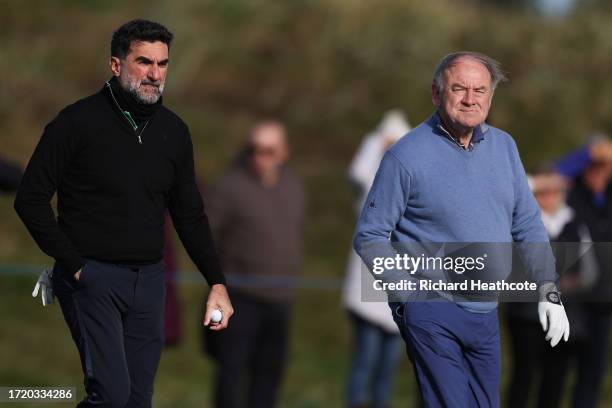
x=262, y=150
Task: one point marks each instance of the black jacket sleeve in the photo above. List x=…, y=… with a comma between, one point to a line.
x=190, y=219
x=41, y=179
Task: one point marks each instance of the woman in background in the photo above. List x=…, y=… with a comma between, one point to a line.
x=376, y=339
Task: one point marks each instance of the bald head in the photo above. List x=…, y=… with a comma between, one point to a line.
x=268, y=133
x=269, y=150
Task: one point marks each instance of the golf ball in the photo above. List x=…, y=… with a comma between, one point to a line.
x=216, y=316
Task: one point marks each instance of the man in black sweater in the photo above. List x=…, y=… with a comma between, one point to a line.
x=117, y=160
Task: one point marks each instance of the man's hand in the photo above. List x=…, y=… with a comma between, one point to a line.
x=77, y=275
x=554, y=321
x=218, y=299
x=46, y=289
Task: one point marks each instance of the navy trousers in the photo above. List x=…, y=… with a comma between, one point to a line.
x=455, y=353
x=115, y=315
x=250, y=354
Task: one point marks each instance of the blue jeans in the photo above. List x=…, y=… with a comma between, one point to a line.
x=374, y=361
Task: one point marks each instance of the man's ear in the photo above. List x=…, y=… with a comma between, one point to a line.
x=435, y=95
x=115, y=66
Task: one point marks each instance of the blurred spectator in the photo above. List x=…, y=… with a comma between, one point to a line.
x=10, y=176
x=257, y=213
x=586, y=218
x=376, y=339
x=591, y=199
x=539, y=360
x=172, y=307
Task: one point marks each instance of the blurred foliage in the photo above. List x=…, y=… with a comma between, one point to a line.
x=328, y=68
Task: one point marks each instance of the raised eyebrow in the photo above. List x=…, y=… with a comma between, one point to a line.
x=164, y=62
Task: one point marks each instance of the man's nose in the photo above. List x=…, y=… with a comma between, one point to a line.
x=469, y=97
x=154, y=73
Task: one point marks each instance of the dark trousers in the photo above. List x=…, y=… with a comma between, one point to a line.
x=527, y=342
x=534, y=361
x=115, y=316
x=250, y=354
x=592, y=356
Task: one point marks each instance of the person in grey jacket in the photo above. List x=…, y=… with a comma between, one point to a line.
x=256, y=212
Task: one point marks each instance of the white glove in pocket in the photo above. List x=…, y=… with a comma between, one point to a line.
x=45, y=286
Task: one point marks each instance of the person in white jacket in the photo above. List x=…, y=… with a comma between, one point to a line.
x=376, y=339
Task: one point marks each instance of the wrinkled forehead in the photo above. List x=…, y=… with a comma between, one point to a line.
x=468, y=71
x=155, y=51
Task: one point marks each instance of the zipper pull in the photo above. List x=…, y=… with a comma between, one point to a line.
x=139, y=139
x=130, y=119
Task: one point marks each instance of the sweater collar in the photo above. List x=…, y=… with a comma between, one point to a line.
x=436, y=123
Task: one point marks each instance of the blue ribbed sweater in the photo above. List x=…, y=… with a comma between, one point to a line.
x=430, y=189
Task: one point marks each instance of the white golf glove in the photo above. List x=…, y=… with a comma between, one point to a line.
x=44, y=285
x=552, y=315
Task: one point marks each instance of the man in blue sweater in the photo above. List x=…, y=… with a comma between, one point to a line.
x=455, y=179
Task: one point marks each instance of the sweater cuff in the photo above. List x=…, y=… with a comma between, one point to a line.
x=214, y=278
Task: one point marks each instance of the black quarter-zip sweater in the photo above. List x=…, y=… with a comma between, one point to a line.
x=114, y=184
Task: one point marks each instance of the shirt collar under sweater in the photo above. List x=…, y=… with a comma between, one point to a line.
x=140, y=112
x=477, y=136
